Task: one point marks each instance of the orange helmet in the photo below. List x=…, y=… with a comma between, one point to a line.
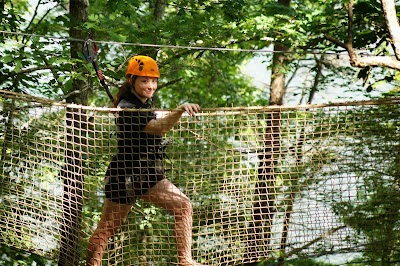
x=141, y=65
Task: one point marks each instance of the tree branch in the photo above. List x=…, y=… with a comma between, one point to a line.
x=356, y=61
x=336, y=41
x=389, y=11
x=53, y=70
x=32, y=19
x=330, y=232
x=377, y=61
x=350, y=25
x=33, y=69
x=169, y=83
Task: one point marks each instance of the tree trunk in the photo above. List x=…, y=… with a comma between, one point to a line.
x=158, y=14
x=159, y=9
x=73, y=178
x=278, y=88
x=72, y=173
x=298, y=149
x=264, y=203
x=8, y=123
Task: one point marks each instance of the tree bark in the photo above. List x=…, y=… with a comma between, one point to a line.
x=264, y=206
x=72, y=172
x=159, y=9
x=392, y=22
x=158, y=14
x=298, y=148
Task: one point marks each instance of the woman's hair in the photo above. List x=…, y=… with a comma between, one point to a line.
x=124, y=89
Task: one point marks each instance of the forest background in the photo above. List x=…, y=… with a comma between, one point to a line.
x=311, y=51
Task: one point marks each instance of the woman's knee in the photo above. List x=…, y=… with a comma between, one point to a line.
x=102, y=235
x=185, y=208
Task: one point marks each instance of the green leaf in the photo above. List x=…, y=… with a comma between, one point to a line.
x=7, y=58
x=18, y=66
x=118, y=37
x=67, y=86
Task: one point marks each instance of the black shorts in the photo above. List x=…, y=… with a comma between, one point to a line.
x=128, y=179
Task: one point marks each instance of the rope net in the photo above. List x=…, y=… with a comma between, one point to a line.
x=264, y=182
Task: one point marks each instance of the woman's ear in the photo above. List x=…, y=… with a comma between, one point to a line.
x=131, y=80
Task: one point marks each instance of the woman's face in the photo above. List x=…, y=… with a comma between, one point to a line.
x=145, y=86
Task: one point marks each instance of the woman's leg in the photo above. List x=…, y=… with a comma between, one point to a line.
x=111, y=220
x=168, y=196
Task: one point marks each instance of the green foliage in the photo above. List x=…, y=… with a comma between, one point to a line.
x=375, y=213
x=18, y=175
x=186, y=74
x=210, y=75
x=213, y=80
x=297, y=262
x=43, y=66
x=369, y=31
x=30, y=64
x=15, y=257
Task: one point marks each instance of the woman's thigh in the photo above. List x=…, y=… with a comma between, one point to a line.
x=166, y=195
x=113, y=215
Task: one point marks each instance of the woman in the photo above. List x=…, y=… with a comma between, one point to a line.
x=136, y=171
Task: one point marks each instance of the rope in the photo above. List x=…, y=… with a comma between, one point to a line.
x=313, y=191
x=262, y=51
x=210, y=111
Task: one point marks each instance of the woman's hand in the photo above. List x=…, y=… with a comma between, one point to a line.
x=190, y=108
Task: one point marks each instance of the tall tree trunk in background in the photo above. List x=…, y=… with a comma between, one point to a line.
x=159, y=9
x=158, y=14
x=72, y=172
x=264, y=201
x=298, y=148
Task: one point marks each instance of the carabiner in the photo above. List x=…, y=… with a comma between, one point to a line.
x=90, y=50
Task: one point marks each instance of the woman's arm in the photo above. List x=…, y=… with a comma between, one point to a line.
x=164, y=124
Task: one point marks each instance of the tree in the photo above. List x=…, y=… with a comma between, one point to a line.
x=370, y=37
x=374, y=212
x=391, y=33
x=211, y=76
x=77, y=125
x=263, y=209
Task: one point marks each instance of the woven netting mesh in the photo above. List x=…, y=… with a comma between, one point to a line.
x=263, y=181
